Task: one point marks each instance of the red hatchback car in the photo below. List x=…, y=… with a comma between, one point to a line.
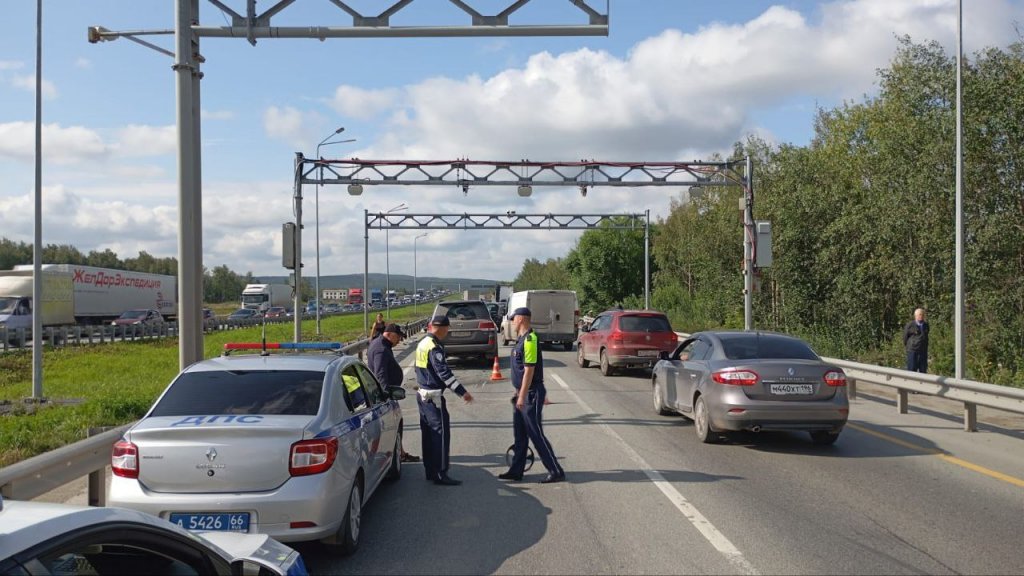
x=625, y=339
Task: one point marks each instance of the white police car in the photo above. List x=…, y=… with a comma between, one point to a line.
x=289, y=445
x=44, y=538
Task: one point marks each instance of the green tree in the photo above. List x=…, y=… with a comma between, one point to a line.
x=607, y=265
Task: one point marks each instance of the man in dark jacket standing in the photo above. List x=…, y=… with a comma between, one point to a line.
x=915, y=340
x=380, y=357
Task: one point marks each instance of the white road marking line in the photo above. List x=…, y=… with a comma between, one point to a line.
x=699, y=521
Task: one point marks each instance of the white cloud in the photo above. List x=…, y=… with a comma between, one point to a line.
x=298, y=128
x=143, y=140
x=28, y=83
x=60, y=145
x=11, y=65
x=361, y=104
x=83, y=63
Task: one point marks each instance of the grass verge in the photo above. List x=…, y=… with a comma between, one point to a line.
x=113, y=384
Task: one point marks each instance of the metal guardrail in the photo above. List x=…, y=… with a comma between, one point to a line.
x=40, y=474
x=101, y=334
x=970, y=392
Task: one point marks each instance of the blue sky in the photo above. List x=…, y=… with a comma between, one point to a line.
x=674, y=80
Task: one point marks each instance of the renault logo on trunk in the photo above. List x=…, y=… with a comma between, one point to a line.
x=211, y=454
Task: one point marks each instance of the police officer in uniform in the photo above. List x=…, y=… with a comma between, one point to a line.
x=527, y=417
x=433, y=376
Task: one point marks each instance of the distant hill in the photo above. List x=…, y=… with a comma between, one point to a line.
x=397, y=281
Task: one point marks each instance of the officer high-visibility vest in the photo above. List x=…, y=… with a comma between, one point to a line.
x=423, y=350
x=351, y=383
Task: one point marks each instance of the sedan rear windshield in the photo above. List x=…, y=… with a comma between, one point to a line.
x=747, y=346
x=644, y=324
x=283, y=392
x=463, y=311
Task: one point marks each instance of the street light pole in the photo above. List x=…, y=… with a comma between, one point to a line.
x=323, y=142
x=387, y=260
x=415, y=274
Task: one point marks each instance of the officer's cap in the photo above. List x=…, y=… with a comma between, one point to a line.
x=440, y=321
x=521, y=311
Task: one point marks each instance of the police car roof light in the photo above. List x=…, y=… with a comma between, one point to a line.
x=231, y=346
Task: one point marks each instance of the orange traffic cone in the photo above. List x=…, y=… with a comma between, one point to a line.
x=496, y=372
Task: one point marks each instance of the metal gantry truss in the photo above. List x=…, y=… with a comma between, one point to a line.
x=466, y=173
x=507, y=221
x=525, y=174
x=251, y=25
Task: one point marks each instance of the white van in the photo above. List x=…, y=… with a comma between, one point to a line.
x=554, y=316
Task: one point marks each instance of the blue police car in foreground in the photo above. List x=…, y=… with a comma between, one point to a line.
x=290, y=445
x=45, y=538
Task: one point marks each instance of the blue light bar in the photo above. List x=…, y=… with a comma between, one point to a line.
x=311, y=345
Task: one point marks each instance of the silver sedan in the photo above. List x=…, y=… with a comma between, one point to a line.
x=287, y=445
x=729, y=381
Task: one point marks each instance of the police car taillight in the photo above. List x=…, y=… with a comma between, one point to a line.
x=124, y=460
x=312, y=456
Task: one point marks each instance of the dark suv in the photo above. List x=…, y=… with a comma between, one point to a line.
x=625, y=339
x=473, y=331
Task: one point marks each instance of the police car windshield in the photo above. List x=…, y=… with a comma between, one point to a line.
x=282, y=392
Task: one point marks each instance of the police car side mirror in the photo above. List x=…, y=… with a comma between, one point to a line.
x=396, y=392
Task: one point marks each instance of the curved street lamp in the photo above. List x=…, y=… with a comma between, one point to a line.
x=387, y=260
x=415, y=292
x=323, y=142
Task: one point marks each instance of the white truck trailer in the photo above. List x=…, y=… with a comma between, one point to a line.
x=84, y=294
x=263, y=296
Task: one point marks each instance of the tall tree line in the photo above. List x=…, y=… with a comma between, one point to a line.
x=863, y=225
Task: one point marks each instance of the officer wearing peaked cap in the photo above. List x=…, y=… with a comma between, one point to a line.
x=527, y=416
x=434, y=376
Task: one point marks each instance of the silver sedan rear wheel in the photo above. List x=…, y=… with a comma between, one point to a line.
x=659, y=400
x=701, y=422
x=348, y=533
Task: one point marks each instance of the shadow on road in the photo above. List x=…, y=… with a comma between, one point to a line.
x=416, y=527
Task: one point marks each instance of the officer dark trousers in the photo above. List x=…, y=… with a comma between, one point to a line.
x=435, y=431
x=527, y=424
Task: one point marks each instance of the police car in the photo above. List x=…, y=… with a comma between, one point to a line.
x=289, y=445
x=44, y=538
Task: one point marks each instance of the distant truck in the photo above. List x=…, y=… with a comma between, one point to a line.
x=355, y=295
x=376, y=297
x=83, y=295
x=471, y=294
x=264, y=296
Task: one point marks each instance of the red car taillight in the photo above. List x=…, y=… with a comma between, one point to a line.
x=835, y=378
x=124, y=460
x=617, y=337
x=312, y=456
x=735, y=377
x=487, y=325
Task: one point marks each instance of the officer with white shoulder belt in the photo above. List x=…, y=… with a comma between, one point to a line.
x=433, y=376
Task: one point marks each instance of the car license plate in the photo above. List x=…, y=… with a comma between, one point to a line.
x=647, y=353
x=784, y=389
x=238, y=522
